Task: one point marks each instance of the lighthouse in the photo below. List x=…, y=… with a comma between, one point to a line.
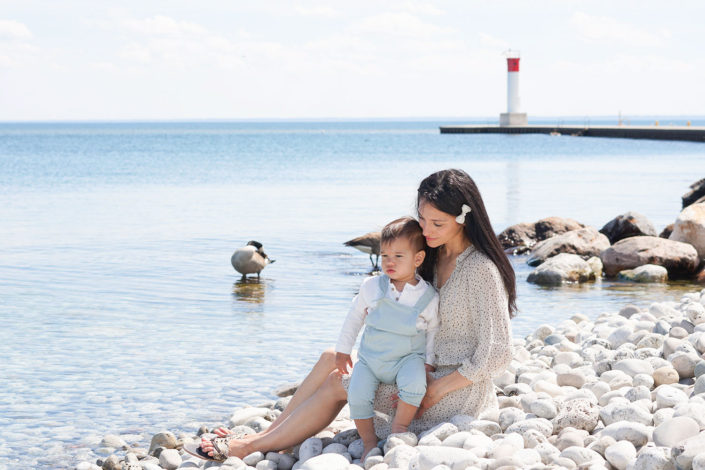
x=513, y=117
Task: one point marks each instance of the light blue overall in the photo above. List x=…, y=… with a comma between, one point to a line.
x=391, y=349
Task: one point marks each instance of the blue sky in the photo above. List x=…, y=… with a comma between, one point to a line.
x=81, y=59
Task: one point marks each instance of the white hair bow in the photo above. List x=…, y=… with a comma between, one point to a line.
x=463, y=212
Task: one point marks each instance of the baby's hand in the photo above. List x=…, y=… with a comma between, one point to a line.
x=342, y=361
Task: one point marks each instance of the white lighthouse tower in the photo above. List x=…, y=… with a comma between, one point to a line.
x=512, y=117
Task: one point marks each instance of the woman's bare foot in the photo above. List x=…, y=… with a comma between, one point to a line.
x=399, y=428
x=236, y=447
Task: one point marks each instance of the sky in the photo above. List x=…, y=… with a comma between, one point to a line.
x=234, y=59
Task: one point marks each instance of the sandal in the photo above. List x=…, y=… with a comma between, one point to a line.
x=220, y=448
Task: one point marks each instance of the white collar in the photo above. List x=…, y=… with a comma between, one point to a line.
x=418, y=285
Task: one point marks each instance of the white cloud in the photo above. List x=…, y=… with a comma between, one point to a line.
x=422, y=8
x=323, y=11
x=487, y=40
x=400, y=24
x=607, y=29
x=11, y=29
x=164, y=25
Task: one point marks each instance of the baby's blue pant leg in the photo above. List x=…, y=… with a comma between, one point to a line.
x=361, y=391
x=411, y=380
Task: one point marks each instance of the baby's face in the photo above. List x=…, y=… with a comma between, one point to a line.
x=400, y=260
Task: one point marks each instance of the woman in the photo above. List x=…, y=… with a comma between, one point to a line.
x=477, y=297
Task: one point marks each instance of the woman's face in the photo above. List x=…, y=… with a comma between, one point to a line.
x=438, y=227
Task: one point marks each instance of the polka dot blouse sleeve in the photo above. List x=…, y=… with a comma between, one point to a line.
x=490, y=317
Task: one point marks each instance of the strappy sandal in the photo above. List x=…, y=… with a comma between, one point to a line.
x=221, y=445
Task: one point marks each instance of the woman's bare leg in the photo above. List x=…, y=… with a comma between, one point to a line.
x=313, y=381
x=307, y=419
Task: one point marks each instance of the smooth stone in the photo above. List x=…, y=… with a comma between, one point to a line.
x=441, y=431
x=640, y=392
x=334, y=448
x=571, y=379
x=544, y=408
x=401, y=455
x=267, y=465
x=619, y=455
x=170, y=459
x=685, y=451
x=643, y=380
x=699, y=385
x=647, y=273
x=542, y=425
x=325, y=462
x=509, y=416
x=253, y=458
x=310, y=448
x=457, y=440
x=662, y=415
x=163, y=439
x=462, y=422
x=699, y=462
x=112, y=463
x=243, y=415
x=684, y=363
x=561, y=268
x=569, y=439
x=665, y=376
x=429, y=457
x=672, y=431
x=636, y=433
x=489, y=428
x=599, y=444
x=287, y=389
x=692, y=410
x=356, y=448
x=633, y=367
x=582, y=456
x=615, y=412
x=654, y=458
x=668, y=396
x=113, y=440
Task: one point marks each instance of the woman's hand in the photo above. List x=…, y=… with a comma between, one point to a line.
x=342, y=361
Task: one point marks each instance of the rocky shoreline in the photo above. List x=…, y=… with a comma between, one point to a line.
x=627, y=247
x=625, y=391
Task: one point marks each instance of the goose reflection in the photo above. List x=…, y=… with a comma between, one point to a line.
x=250, y=290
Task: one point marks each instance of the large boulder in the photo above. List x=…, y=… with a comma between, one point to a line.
x=697, y=191
x=680, y=259
x=690, y=228
x=564, y=267
x=520, y=238
x=631, y=224
x=585, y=242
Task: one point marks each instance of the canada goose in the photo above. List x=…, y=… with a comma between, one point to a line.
x=250, y=259
x=367, y=243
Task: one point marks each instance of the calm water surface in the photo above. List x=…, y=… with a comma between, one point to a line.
x=120, y=310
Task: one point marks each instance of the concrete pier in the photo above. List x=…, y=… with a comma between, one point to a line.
x=690, y=133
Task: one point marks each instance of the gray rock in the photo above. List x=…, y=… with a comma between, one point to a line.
x=685, y=451
x=680, y=259
x=163, y=439
x=648, y=273
x=654, y=458
x=585, y=242
x=310, y=448
x=684, y=363
x=346, y=437
x=699, y=385
x=560, y=269
x=266, y=465
x=630, y=224
x=633, y=367
x=253, y=458
x=636, y=433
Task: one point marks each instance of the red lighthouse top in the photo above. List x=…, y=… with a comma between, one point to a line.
x=512, y=64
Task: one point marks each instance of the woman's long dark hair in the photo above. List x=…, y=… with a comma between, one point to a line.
x=447, y=191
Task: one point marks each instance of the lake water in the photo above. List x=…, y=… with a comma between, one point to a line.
x=121, y=313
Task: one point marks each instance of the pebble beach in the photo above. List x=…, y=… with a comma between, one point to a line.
x=625, y=391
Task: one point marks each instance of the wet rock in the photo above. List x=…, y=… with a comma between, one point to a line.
x=560, y=269
x=696, y=191
x=518, y=238
x=680, y=259
x=585, y=242
x=630, y=224
x=646, y=273
x=112, y=463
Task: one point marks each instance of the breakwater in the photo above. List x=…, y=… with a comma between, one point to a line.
x=688, y=133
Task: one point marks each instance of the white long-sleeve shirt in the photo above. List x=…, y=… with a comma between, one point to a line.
x=367, y=298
